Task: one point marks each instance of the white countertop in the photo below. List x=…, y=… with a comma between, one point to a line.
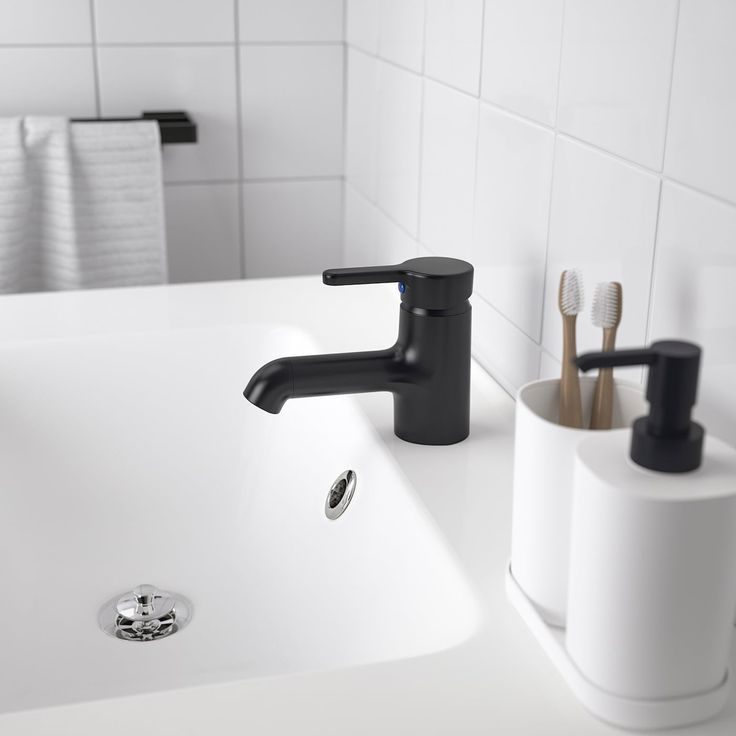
x=498, y=681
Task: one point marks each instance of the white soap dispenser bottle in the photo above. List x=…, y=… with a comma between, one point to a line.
x=652, y=585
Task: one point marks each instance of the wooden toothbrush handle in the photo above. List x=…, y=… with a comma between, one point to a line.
x=571, y=407
x=601, y=415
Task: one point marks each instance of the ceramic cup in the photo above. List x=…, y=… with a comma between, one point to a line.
x=544, y=458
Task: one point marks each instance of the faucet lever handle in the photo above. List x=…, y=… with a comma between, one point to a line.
x=364, y=275
x=432, y=282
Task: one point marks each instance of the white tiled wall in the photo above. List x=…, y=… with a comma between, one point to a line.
x=262, y=78
x=554, y=133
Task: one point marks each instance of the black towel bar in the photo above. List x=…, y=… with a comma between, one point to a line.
x=175, y=126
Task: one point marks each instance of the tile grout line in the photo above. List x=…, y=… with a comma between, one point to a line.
x=508, y=112
x=652, y=262
x=163, y=44
x=49, y=44
x=549, y=355
x=420, y=168
x=508, y=320
x=551, y=186
x=607, y=154
x=538, y=348
x=288, y=179
x=345, y=92
x=247, y=180
x=482, y=48
x=669, y=91
x=643, y=169
x=239, y=125
x=555, y=125
x=471, y=245
x=660, y=197
x=374, y=123
x=387, y=215
x=95, y=60
x=697, y=190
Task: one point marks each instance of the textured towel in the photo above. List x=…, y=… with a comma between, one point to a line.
x=81, y=205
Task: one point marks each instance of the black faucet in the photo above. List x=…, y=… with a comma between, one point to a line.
x=427, y=370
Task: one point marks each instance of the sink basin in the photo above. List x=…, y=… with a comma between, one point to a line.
x=134, y=459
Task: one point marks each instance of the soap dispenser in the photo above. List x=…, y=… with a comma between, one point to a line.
x=652, y=577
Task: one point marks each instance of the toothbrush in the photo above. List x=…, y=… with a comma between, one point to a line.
x=571, y=304
x=606, y=314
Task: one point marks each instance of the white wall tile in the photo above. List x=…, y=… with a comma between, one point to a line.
x=694, y=296
x=602, y=221
x=200, y=80
x=394, y=244
x=291, y=20
x=513, y=185
x=401, y=32
x=361, y=229
x=549, y=367
x=202, y=232
x=292, y=115
x=701, y=141
x=453, y=39
x=45, y=21
x=361, y=147
x=164, y=21
x=399, y=128
x=502, y=348
x=370, y=236
x=521, y=56
x=615, y=73
x=448, y=170
x=363, y=24
x=292, y=228
x=47, y=81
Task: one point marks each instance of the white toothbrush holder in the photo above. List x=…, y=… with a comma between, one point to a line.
x=652, y=565
x=544, y=457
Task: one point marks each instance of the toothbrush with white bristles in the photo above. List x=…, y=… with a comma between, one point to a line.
x=571, y=302
x=606, y=314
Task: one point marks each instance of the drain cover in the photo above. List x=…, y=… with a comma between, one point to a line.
x=145, y=614
x=340, y=494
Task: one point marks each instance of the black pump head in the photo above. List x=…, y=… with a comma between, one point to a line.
x=667, y=440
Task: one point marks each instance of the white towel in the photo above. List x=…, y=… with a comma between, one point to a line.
x=81, y=205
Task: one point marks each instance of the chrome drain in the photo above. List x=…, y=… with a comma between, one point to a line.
x=145, y=614
x=340, y=494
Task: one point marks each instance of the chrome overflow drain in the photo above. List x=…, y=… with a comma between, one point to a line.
x=145, y=614
x=341, y=494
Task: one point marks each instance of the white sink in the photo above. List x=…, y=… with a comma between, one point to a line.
x=135, y=459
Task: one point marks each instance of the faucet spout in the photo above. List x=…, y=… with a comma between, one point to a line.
x=323, y=375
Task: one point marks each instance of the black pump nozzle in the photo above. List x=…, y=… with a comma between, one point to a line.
x=667, y=440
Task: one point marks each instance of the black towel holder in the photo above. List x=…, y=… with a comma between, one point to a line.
x=176, y=126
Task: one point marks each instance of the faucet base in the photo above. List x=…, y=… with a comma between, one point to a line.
x=433, y=408
x=440, y=424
